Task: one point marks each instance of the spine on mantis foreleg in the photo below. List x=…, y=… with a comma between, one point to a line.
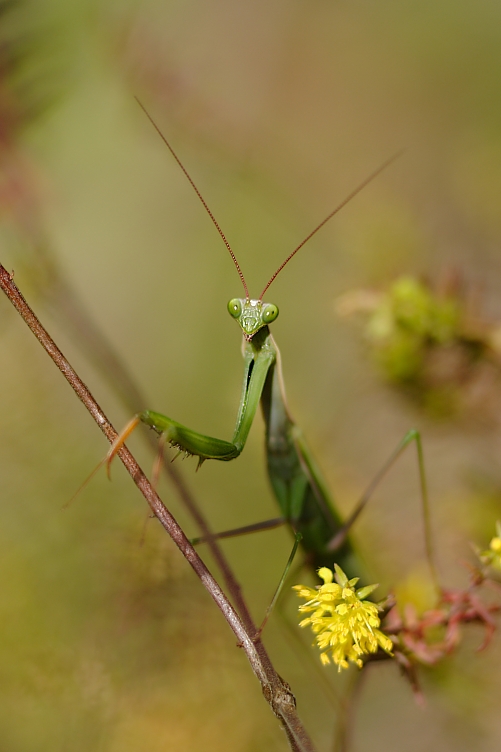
x=190, y=442
x=297, y=481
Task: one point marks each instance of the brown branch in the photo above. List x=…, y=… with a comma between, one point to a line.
x=63, y=301
x=276, y=692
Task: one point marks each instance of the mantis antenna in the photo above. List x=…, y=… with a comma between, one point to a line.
x=329, y=216
x=223, y=236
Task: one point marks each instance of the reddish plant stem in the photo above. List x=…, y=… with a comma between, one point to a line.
x=61, y=299
x=276, y=692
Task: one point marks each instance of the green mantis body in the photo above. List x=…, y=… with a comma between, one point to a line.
x=295, y=479
x=294, y=476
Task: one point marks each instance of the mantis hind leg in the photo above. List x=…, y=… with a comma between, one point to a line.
x=412, y=436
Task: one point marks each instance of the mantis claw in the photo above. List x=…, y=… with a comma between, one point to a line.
x=119, y=442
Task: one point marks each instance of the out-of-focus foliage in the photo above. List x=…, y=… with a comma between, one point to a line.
x=492, y=557
x=278, y=110
x=431, y=344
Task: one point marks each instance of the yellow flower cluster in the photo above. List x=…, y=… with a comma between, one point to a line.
x=346, y=625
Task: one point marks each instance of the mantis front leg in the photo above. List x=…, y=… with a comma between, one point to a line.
x=259, y=357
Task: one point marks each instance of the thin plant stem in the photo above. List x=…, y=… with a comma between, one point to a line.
x=65, y=305
x=275, y=690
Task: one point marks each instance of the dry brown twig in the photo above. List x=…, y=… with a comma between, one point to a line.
x=275, y=690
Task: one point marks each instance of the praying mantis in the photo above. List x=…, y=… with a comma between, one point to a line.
x=295, y=478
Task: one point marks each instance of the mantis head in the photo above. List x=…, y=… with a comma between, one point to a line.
x=252, y=315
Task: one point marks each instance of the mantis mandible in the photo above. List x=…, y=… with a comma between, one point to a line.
x=294, y=476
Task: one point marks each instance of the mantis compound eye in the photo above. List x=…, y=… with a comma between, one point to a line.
x=235, y=308
x=270, y=313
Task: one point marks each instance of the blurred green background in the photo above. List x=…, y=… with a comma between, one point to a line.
x=278, y=110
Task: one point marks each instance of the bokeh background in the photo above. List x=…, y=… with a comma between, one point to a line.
x=278, y=110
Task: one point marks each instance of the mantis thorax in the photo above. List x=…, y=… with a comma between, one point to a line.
x=252, y=315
